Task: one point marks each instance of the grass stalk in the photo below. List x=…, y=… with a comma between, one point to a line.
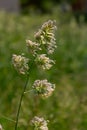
x=21, y=98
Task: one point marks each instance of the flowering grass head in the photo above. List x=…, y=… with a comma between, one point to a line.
x=39, y=123
x=33, y=47
x=44, y=62
x=20, y=63
x=45, y=36
x=43, y=88
x=44, y=44
x=41, y=48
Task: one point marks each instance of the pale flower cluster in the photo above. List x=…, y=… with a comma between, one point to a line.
x=33, y=47
x=39, y=123
x=41, y=48
x=45, y=43
x=44, y=62
x=43, y=88
x=46, y=36
x=20, y=63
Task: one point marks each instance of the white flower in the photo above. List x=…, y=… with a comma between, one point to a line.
x=20, y=63
x=44, y=62
x=43, y=88
x=39, y=123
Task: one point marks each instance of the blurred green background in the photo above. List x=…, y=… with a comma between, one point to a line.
x=66, y=109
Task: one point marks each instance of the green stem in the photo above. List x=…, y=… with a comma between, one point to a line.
x=18, y=112
x=7, y=118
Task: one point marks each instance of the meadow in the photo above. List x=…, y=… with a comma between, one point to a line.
x=66, y=109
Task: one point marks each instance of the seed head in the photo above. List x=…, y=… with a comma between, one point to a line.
x=39, y=123
x=43, y=88
x=46, y=36
x=49, y=25
x=33, y=47
x=44, y=62
x=20, y=63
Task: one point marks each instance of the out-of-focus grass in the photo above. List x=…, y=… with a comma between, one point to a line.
x=67, y=107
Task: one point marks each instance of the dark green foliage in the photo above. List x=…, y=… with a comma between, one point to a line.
x=39, y=6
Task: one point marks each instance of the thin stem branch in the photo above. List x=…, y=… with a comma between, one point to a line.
x=28, y=91
x=18, y=112
x=7, y=118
